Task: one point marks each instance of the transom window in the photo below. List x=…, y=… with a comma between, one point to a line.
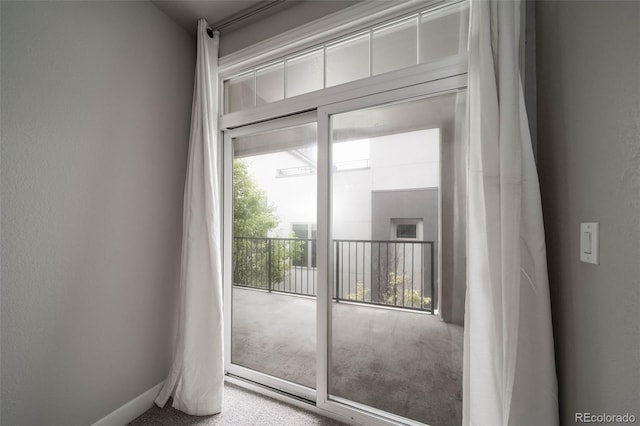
x=425, y=36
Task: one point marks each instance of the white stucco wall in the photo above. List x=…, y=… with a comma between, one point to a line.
x=401, y=161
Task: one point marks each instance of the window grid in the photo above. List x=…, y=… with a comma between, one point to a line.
x=416, y=17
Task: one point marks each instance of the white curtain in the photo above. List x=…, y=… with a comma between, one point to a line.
x=196, y=377
x=509, y=367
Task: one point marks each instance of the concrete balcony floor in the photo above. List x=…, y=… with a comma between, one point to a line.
x=402, y=362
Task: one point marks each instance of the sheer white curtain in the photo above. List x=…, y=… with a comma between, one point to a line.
x=509, y=366
x=196, y=377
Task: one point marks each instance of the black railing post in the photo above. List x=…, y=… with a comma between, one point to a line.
x=433, y=296
x=337, y=270
x=249, y=253
x=269, y=264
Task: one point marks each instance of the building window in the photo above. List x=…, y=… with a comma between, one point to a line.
x=406, y=229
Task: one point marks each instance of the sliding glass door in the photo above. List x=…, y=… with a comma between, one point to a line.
x=345, y=271
x=388, y=351
x=271, y=208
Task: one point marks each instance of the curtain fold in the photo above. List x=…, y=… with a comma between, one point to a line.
x=509, y=366
x=197, y=374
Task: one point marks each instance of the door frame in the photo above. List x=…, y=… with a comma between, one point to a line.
x=333, y=407
x=273, y=382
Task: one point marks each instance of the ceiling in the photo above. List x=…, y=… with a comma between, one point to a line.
x=219, y=12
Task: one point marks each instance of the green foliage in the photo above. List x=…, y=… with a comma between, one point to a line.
x=361, y=294
x=263, y=262
x=398, y=292
x=258, y=261
x=252, y=214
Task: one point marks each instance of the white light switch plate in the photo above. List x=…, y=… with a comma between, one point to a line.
x=589, y=242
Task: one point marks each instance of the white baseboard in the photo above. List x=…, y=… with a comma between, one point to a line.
x=132, y=409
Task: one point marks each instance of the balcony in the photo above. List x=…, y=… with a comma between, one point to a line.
x=399, y=274
x=387, y=349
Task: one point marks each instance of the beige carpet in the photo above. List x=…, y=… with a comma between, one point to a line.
x=241, y=407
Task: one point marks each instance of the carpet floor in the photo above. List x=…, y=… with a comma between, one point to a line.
x=240, y=407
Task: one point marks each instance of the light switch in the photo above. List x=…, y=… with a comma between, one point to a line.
x=589, y=242
x=586, y=243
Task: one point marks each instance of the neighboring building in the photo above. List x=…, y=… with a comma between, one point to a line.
x=385, y=206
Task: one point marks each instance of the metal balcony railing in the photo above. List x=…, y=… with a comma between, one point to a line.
x=399, y=274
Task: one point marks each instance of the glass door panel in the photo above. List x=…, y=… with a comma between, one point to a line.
x=395, y=319
x=273, y=265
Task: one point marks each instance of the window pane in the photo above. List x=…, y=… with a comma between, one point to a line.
x=443, y=33
x=271, y=332
x=386, y=235
x=348, y=60
x=294, y=139
x=405, y=230
x=270, y=82
x=239, y=93
x=395, y=46
x=304, y=73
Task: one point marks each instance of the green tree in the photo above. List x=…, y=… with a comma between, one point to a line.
x=252, y=214
x=258, y=261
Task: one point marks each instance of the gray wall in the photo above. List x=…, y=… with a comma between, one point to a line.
x=588, y=87
x=96, y=99
x=407, y=204
x=419, y=203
